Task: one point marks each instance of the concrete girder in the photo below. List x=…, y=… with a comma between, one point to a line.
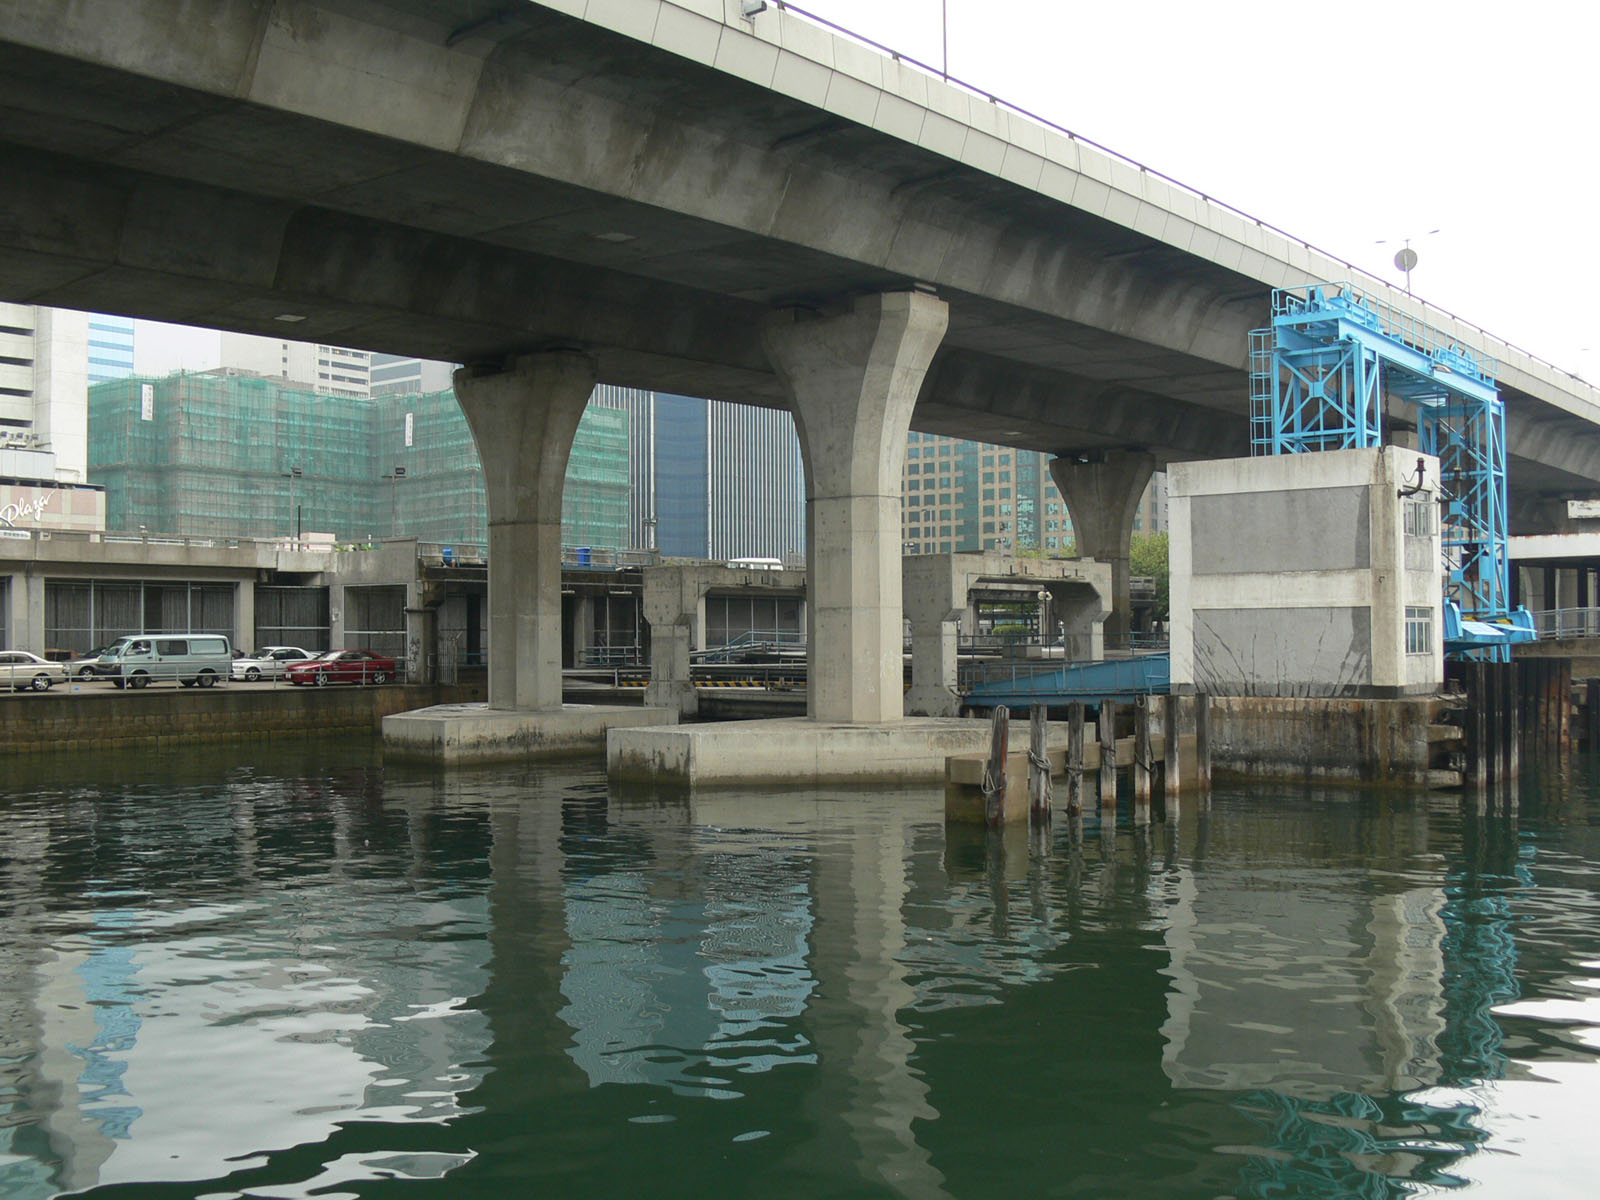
x=544, y=133
x=853, y=379
x=528, y=109
x=1079, y=411
x=237, y=261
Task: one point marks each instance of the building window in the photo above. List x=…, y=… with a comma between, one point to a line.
x=1419, y=630
x=1419, y=518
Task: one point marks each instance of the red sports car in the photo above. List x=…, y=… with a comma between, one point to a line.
x=341, y=666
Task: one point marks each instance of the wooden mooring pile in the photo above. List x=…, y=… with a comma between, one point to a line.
x=1513, y=711
x=1143, y=741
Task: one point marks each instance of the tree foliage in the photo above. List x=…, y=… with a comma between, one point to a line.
x=1148, y=556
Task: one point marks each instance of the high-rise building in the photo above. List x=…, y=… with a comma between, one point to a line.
x=230, y=454
x=711, y=479
x=44, y=359
x=966, y=497
x=756, y=483
x=640, y=407
x=393, y=375
x=331, y=370
x=110, y=347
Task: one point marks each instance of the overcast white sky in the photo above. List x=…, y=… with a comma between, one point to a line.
x=1343, y=126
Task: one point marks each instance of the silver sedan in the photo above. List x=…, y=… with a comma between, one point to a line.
x=268, y=662
x=19, y=669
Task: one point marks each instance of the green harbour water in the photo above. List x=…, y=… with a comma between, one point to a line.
x=299, y=972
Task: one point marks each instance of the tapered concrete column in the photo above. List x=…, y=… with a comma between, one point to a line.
x=853, y=380
x=523, y=420
x=675, y=607
x=1102, y=495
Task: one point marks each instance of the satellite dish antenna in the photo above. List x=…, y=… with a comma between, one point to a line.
x=1406, y=258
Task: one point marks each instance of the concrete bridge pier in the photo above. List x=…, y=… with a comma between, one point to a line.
x=1102, y=490
x=852, y=381
x=675, y=608
x=934, y=607
x=523, y=419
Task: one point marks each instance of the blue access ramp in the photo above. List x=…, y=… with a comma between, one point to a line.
x=1022, y=685
x=1462, y=634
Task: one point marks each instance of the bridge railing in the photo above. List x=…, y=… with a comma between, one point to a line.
x=1366, y=277
x=1567, y=623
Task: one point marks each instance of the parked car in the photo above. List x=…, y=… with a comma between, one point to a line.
x=83, y=666
x=342, y=666
x=268, y=662
x=20, y=669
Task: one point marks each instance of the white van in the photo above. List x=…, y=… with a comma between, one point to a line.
x=190, y=658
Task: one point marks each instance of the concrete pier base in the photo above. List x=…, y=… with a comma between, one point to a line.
x=799, y=752
x=473, y=733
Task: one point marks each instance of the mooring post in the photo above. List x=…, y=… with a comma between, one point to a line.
x=994, y=771
x=1496, y=722
x=1108, y=760
x=1591, y=713
x=1202, y=748
x=1141, y=760
x=1171, y=783
x=1552, y=709
x=1513, y=731
x=1478, y=726
x=1564, y=705
x=1038, y=765
x=1074, y=759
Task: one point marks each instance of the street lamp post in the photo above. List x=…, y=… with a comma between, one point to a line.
x=292, y=475
x=393, y=477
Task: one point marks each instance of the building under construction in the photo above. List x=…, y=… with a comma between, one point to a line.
x=232, y=454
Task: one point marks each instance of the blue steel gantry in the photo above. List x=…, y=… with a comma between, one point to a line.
x=1318, y=378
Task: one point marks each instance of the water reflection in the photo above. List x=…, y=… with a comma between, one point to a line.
x=293, y=979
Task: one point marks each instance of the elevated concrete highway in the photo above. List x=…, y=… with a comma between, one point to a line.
x=658, y=193
x=645, y=179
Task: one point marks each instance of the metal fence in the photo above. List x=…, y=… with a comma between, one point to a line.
x=1567, y=623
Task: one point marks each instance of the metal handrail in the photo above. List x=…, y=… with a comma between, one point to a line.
x=1203, y=197
x=1567, y=622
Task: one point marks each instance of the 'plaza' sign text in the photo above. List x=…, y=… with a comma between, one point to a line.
x=22, y=510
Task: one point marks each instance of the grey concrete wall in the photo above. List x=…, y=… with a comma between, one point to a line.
x=1292, y=575
x=1283, y=651
x=1369, y=741
x=1236, y=533
x=96, y=717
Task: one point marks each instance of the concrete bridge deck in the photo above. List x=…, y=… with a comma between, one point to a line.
x=646, y=179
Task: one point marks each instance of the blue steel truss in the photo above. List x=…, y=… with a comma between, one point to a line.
x=1318, y=378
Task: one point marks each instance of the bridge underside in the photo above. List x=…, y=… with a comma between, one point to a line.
x=468, y=182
